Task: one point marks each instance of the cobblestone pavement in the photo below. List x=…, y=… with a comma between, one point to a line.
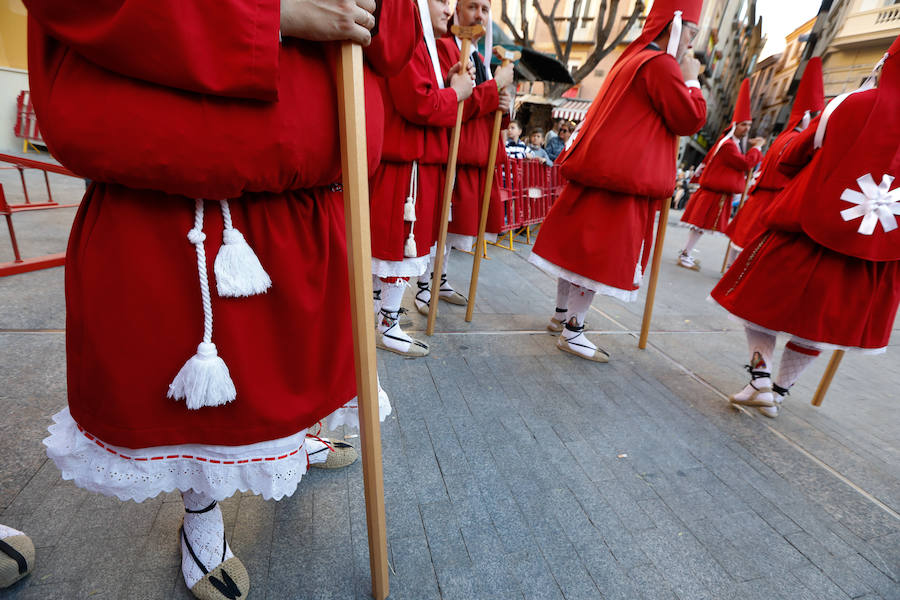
x=512, y=470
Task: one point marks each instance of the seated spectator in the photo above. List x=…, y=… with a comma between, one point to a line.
x=555, y=146
x=516, y=148
x=536, y=143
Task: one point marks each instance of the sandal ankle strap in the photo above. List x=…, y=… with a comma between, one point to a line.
x=202, y=510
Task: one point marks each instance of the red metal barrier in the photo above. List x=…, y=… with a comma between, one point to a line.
x=20, y=265
x=528, y=189
x=26, y=121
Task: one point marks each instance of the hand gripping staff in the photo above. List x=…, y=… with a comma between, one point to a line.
x=740, y=206
x=507, y=56
x=351, y=104
x=466, y=34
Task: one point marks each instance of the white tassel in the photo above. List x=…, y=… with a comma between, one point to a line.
x=409, y=250
x=204, y=380
x=238, y=271
x=409, y=210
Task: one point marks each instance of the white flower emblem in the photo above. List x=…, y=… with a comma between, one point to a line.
x=877, y=203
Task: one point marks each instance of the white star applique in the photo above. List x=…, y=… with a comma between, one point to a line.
x=877, y=203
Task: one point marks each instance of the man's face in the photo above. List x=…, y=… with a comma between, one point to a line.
x=440, y=16
x=537, y=139
x=742, y=128
x=473, y=12
x=688, y=33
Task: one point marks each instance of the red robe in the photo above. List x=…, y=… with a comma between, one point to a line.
x=786, y=280
x=747, y=223
x=724, y=176
x=163, y=102
x=602, y=236
x=417, y=116
x=474, y=146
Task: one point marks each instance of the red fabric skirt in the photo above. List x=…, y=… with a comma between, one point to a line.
x=747, y=223
x=467, y=202
x=389, y=188
x=134, y=317
x=708, y=210
x=786, y=282
x=598, y=234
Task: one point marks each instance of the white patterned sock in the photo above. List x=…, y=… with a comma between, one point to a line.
x=206, y=533
x=794, y=361
x=579, y=303
x=693, y=237
x=562, y=293
x=762, y=349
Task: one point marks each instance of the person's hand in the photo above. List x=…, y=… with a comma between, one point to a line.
x=505, y=101
x=457, y=68
x=462, y=84
x=328, y=20
x=690, y=67
x=504, y=76
x=757, y=142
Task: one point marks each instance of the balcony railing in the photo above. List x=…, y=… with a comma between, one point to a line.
x=870, y=26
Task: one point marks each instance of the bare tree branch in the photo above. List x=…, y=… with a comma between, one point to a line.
x=573, y=23
x=550, y=22
x=520, y=39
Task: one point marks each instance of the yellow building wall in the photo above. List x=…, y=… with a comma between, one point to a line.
x=844, y=70
x=13, y=51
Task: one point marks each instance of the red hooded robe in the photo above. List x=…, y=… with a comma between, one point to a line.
x=748, y=224
x=166, y=101
x=828, y=269
x=599, y=233
x=724, y=175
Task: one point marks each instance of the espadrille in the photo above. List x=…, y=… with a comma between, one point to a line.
x=341, y=454
x=686, y=261
x=556, y=325
x=579, y=345
x=228, y=581
x=756, y=394
x=16, y=559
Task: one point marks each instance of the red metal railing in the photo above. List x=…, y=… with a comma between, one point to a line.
x=528, y=188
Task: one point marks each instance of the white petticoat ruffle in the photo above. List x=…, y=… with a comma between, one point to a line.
x=408, y=267
x=600, y=288
x=272, y=468
x=811, y=344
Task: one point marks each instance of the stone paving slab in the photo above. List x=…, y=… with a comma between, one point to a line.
x=512, y=470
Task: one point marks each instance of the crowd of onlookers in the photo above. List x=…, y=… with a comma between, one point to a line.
x=536, y=144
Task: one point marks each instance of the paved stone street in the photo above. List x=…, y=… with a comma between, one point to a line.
x=512, y=470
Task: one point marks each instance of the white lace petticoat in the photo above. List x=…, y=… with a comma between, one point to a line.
x=272, y=468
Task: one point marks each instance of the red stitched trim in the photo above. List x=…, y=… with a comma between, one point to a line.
x=802, y=350
x=189, y=456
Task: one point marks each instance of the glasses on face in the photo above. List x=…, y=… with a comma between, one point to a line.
x=564, y=130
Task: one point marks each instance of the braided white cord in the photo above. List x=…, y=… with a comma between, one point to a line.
x=197, y=237
x=226, y=214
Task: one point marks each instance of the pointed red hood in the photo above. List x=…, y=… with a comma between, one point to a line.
x=811, y=93
x=742, y=108
x=660, y=16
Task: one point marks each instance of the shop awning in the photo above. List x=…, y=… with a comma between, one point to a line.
x=573, y=109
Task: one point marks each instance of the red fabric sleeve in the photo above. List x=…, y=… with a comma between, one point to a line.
x=484, y=100
x=416, y=95
x=399, y=30
x=732, y=157
x=682, y=108
x=219, y=47
x=800, y=151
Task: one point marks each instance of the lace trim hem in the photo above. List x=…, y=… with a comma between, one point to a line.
x=585, y=282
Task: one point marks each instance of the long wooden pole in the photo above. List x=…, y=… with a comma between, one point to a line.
x=354, y=167
x=830, y=370
x=449, y=182
x=654, y=272
x=740, y=206
x=507, y=57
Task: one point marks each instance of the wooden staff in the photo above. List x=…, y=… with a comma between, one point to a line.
x=740, y=206
x=830, y=370
x=354, y=167
x=466, y=34
x=654, y=272
x=507, y=56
